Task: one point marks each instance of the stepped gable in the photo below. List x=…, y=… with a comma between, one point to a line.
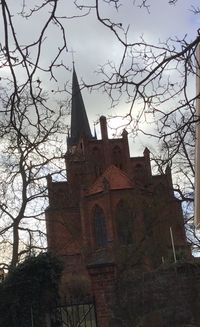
x=115, y=179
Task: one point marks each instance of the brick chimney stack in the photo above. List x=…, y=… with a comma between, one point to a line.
x=103, y=125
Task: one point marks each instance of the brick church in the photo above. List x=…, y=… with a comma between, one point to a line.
x=111, y=213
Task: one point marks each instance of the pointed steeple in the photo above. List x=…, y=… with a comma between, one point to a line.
x=79, y=121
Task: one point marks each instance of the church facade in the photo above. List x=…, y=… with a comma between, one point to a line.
x=110, y=214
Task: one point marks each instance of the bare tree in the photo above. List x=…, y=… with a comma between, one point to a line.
x=155, y=81
x=26, y=59
x=30, y=125
x=29, y=151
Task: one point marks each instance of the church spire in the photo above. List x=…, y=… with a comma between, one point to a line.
x=79, y=121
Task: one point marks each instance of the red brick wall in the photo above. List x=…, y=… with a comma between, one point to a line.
x=64, y=232
x=103, y=279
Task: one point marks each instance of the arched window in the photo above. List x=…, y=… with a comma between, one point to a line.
x=100, y=227
x=117, y=157
x=124, y=223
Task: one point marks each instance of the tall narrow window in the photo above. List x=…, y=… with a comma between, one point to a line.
x=100, y=227
x=97, y=160
x=139, y=172
x=117, y=157
x=148, y=220
x=124, y=223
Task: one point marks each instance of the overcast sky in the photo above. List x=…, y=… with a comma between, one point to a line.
x=94, y=45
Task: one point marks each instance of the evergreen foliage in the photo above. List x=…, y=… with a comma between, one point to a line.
x=29, y=291
x=165, y=297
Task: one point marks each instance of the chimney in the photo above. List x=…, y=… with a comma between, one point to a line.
x=103, y=125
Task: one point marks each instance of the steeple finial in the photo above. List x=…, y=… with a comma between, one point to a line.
x=79, y=120
x=72, y=52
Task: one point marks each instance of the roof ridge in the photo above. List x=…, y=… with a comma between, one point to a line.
x=106, y=174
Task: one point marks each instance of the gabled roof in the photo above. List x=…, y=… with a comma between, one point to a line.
x=79, y=120
x=113, y=178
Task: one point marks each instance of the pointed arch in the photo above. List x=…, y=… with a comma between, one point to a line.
x=100, y=227
x=124, y=223
x=117, y=157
